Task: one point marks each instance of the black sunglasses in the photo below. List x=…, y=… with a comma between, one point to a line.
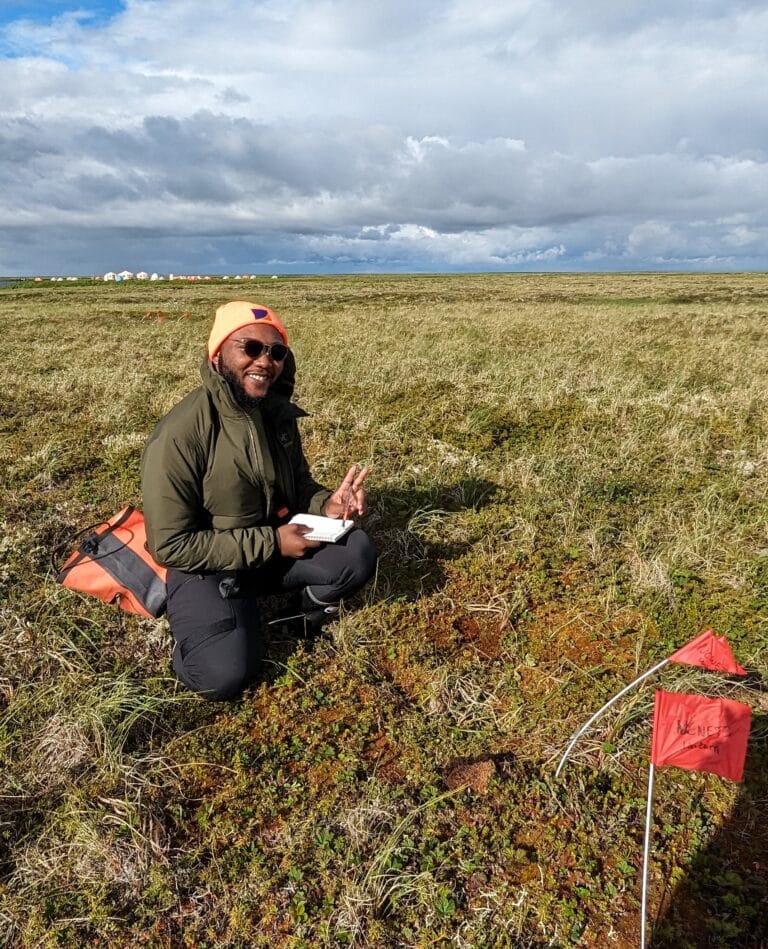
x=253, y=348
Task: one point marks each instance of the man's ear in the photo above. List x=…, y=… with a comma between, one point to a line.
x=216, y=362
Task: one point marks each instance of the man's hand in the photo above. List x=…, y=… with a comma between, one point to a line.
x=349, y=497
x=291, y=541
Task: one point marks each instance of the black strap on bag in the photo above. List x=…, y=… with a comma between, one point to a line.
x=89, y=546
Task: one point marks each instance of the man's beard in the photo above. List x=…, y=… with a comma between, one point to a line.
x=245, y=401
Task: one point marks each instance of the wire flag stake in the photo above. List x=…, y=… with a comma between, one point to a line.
x=588, y=724
x=646, y=853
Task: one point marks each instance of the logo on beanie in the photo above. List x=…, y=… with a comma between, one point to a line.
x=259, y=314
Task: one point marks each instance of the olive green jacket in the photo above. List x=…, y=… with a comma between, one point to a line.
x=212, y=473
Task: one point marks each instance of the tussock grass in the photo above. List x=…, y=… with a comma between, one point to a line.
x=569, y=479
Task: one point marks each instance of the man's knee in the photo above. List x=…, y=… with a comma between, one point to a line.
x=354, y=562
x=364, y=557
x=223, y=685
x=217, y=681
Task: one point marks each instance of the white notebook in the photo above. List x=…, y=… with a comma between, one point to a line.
x=328, y=529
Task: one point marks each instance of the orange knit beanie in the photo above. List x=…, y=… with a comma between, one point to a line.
x=237, y=314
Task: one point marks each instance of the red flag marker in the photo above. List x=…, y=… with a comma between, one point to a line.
x=697, y=733
x=701, y=734
x=709, y=652
x=705, y=650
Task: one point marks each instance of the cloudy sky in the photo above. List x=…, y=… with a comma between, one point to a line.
x=295, y=136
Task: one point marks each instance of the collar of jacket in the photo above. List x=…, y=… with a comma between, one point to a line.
x=276, y=405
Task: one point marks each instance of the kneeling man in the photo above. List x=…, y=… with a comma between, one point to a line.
x=223, y=473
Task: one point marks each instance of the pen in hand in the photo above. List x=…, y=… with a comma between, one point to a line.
x=349, y=498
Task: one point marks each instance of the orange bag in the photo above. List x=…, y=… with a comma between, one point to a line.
x=114, y=565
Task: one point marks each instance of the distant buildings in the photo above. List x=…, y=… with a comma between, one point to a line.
x=112, y=277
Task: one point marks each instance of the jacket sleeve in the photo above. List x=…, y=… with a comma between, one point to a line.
x=173, y=468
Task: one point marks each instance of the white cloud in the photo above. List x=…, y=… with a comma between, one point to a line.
x=515, y=134
x=652, y=239
x=744, y=237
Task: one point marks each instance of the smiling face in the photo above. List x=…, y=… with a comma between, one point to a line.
x=250, y=378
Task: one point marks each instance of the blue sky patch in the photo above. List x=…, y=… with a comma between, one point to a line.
x=43, y=11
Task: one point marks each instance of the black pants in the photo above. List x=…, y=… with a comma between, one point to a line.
x=215, y=617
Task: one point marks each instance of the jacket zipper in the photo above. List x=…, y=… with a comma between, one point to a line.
x=260, y=476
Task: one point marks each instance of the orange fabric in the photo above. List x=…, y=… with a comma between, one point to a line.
x=700, y=734
x=86, y=575
x=709, y=652
x=237, y=314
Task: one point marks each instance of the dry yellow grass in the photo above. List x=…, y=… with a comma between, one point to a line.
x=569, y=478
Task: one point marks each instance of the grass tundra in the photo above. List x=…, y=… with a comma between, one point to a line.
x=569, y=477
